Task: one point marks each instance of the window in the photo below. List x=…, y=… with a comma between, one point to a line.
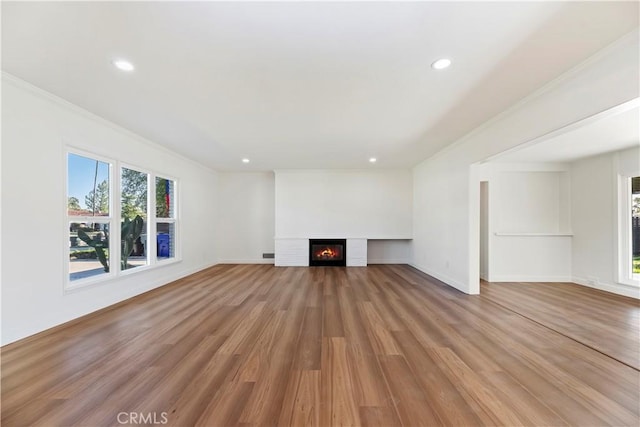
x=133, y=214
x=629, y=237
x=635, y=227
x=100, y=214
x=88, y=216
x=165, y=218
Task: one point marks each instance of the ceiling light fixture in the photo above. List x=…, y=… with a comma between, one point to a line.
x=245, y=160
x=373, y=160
x=441, y=64
x=123, y=65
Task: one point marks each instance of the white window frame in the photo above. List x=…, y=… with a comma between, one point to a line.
x=149, y=174
x=175, y=221
x=625, y=252
x=110, y=220
x=115, y=220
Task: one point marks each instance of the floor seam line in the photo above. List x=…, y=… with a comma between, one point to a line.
x=562, y=334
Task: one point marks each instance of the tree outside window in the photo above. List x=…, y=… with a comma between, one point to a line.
x=146, y=237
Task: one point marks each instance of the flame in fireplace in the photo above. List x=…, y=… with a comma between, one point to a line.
x=327, y=253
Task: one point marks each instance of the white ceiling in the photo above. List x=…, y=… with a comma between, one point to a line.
x=612, y=133
x=306, y=84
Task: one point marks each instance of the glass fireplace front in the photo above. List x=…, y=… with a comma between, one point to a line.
x=328, y=252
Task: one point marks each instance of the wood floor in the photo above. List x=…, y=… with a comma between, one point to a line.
x=382, y=345
x=605, y=322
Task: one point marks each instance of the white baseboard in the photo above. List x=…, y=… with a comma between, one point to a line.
x=615, y=288
x=387, y=261
x=247, y=261
x=462, y=287
x=519, y=278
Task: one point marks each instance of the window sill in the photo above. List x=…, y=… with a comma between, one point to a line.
x=635, y=281
x=169, y=261
x=78, y=285
x=110, y=277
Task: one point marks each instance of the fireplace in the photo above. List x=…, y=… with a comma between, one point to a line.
x=328, y=252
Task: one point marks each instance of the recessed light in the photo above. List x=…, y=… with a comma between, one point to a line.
x=123, y=65
x=245, y=160
x=373, y=160
x=441, y=64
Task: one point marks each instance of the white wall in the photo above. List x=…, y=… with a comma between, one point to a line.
x=594, y=210
x=246, y=217
x=529, y=201
x=361, y=204
x=446, y=186
x=35, y=128
x=535, y=258
x=529, y=219
x=388, y=251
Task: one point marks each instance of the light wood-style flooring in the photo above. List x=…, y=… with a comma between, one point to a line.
x=380, y=346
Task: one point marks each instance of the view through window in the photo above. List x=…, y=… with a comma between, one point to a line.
x=635, y=227
x=143, y=229
x=133, y=214
x=165, y=218
x=88, y=213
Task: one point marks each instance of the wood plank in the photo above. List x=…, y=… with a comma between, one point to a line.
x=301, y=405
x=337, y=390
x=381, y=339
x=331, y=317
x=309, y=349
x=473, y=389
x=228, y=409
x=376, y=416
x=367, y=379
x=445, y=399
x=412, y=405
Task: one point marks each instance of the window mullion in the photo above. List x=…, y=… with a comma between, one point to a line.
x=117, y=219
x=152, y=241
